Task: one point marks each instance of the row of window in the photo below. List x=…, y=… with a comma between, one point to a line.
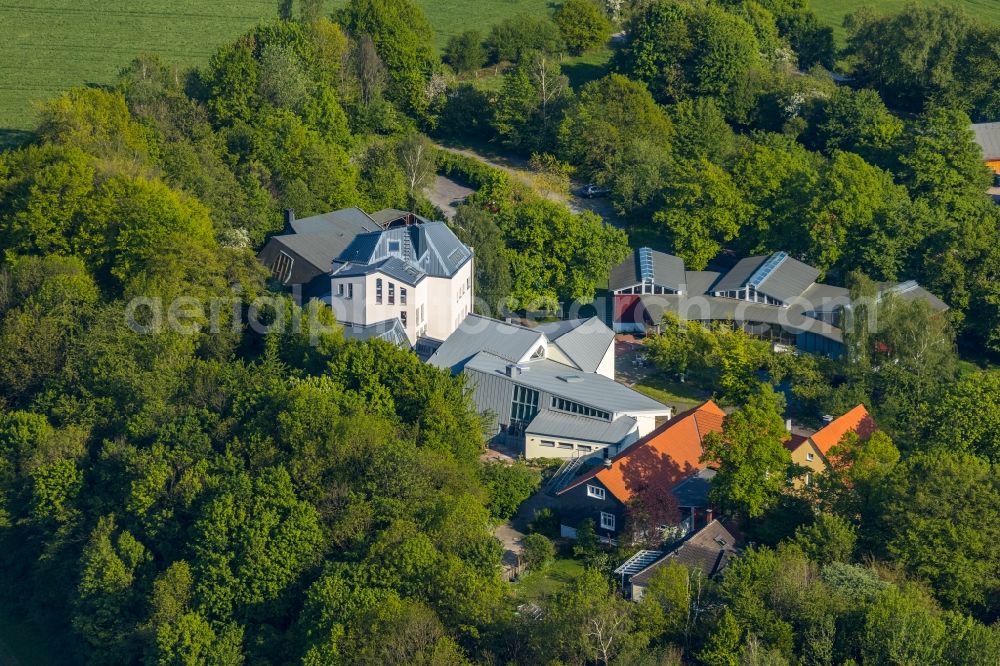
x=350, y=290
x=568, y=446
x=646, y=288
x=564, y=405
x=749, y=294
x=392, y=293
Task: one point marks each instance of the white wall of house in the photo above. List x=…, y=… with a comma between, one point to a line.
x=547, y=446
x=434, y=306
x=449, y=302
x=607, y=364
x=646, y=423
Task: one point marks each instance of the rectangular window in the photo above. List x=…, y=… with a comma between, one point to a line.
x=340, y=290
x=585, y=448
x=810, y=457
x=350, y=290
x=402, y=318
x=596, y=492
x=378, y=290
x=607, y=521
x=402, y=295
x=523, y=407
x=392, y=293
x=393, y=246
x=282, y=267
x=565, y=445
x=809, y=478
x=547, y=442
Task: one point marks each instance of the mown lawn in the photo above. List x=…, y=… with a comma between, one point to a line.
x=51, y=45
x=667, y=391
x=832, y=12
x=535, y=586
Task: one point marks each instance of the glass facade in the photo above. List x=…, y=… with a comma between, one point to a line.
x=523, y=408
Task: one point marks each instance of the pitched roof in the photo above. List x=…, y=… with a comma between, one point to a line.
x=571, y=426
x=910, y=290
x=587, y=388
x=857, y=420
x=476, y=334
x=709, y=549
x=987, y=135
x=778, y=275
x=668, y=455
x=659, y=267
x=584, y=341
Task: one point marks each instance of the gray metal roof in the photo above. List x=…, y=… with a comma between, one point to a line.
x=825, y=297
x=347, y=221
x=390, y=330
x=911, y=291
x=778, y=276
x=738, y=275
x=475, y=334
x=584, y=341
x=789, y=278
x=987, y=135
x=587, y=388
x=693, y=491
x=571, y=426
x=392, y=267
x=661, y=268
x=697, y=283
x=704, y=308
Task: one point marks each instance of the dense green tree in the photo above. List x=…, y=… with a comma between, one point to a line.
x=514, y=38
x=509, y=486
x=465, y=52
x=753, y=463
x=702, y=209
x=403, y=38
x=583, y=25
x=616, y=133
x=538, y=552
x=938, y=513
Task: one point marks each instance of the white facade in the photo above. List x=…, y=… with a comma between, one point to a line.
x=433, y=307
x=546, y=446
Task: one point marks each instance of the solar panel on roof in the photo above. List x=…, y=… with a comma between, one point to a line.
x=646, y=264
x=765, y=269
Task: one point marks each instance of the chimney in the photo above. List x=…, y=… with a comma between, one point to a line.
x=708, y=516
x=289, y=218
x=788, y=425
x=827, y=419
x=607, y=463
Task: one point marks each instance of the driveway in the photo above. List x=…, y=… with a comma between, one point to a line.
x=518, y=168
x=447, y=195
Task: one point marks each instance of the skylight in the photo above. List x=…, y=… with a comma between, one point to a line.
x=646, y=264
x=764, y=271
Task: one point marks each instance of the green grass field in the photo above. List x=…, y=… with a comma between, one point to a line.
x=51, y=45
x=832, y=12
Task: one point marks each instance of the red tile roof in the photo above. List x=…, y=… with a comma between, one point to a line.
x=857, y=420
x=668, y=455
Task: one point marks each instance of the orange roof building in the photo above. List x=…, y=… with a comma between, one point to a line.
x=668, y=455
x=812, y=451
x=668, y=458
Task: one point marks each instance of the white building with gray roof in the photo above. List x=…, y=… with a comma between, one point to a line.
x=550, y=388
x=383, y=274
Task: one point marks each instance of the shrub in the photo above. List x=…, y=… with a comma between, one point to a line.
x=539, y=552
x=509, y=485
